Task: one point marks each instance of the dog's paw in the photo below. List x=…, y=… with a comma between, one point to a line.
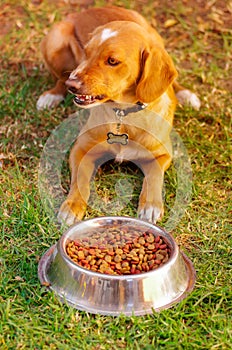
x=68, y=216
x=48, y=100
x=186, y=97
x=151, y=213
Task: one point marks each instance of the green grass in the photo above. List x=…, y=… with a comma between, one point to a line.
x=31, y=317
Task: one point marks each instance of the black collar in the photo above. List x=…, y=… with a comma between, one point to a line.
x=123, y=112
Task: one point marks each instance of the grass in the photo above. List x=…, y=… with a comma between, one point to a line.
x=31, y=316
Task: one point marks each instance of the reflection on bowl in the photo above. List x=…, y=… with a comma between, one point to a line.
x=130, y=294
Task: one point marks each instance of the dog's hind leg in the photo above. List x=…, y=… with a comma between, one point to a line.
x=62, y=54
x=51, y=98
x=186, y=97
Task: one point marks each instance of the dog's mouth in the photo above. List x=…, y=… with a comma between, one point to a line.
x=86, y=100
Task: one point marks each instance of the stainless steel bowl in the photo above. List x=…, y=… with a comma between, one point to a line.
x=115, y=294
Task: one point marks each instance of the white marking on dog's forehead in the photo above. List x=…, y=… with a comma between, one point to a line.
x=107, y=34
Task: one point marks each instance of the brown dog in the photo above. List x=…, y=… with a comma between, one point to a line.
x=126, y=74
x=63, y=49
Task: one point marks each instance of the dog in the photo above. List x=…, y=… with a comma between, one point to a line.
x=63, y=50
x=128, y=80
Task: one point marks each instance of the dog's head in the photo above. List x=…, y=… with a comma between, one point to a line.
x=123, y=63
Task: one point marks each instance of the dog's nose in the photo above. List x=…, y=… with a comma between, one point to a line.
x=73, y=85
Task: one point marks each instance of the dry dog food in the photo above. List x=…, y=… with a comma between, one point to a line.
x=119, y=251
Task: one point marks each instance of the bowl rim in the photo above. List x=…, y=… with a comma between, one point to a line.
x=172, y=259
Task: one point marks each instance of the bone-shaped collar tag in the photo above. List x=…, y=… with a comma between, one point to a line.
x=117, y=138
x=120, y=114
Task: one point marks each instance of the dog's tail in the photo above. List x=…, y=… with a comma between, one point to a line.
x=186, y=97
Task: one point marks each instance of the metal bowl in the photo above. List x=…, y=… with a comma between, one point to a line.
x=134, y=294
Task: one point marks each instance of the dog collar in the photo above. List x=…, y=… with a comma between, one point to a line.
x=120, y=114
x=124, y=112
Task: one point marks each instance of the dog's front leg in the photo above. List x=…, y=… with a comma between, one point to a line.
x=150, y=201
x=82, y=164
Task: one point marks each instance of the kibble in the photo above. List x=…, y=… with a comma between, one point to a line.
x=119, y=251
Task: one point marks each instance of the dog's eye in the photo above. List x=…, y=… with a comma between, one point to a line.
x=112, y=61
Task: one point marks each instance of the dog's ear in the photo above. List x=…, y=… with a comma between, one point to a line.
x=157, y=73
